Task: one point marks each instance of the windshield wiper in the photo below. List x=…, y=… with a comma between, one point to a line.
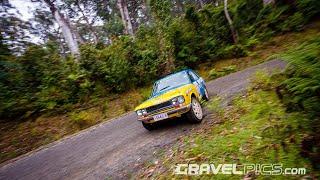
x=164, y=88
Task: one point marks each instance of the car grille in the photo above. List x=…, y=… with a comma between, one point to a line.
x=158, y=106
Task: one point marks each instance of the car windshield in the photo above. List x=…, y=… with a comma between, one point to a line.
x=171, y=81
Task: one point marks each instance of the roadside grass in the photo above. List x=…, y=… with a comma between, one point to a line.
x=255, y=129
x=19, y=137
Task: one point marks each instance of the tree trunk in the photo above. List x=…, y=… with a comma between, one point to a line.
x=180, y=6
x=128, y=19
x=123, y=8
x=267, y=2
x=65, y=28
x=146, y=11
x=201, y=3
x=60, y=41
x=216, y=3
x=233, y=30
x=120, y=7
x=94, y=34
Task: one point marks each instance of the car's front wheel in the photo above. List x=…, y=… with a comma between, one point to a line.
x=149, y=126
x=195, y=115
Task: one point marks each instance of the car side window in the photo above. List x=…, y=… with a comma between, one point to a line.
x=193, y=75
x=153, y=89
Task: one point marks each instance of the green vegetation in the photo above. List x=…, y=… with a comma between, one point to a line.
x=42, y=80
x=301, y=92
x=254, y=131
x=47, y=93
x=303, y=83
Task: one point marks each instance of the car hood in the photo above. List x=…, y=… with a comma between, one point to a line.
x=164, y=96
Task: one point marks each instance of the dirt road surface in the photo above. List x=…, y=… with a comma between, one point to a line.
x=116, y=148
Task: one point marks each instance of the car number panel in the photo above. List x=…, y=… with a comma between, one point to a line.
x=159, y=117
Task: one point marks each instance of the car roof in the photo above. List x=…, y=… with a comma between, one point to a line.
x=171, y=74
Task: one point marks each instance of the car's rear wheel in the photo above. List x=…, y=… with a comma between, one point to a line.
x=195, y=115
x=149, y=126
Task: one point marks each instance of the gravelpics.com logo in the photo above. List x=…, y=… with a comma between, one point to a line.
x=258, y=169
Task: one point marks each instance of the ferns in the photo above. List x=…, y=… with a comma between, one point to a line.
x=303, y=81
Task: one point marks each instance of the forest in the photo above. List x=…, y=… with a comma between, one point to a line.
x=66, y=65
x=71, y=51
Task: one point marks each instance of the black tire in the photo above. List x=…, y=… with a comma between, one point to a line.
x=192, y=115
x=206, y=95
x=149, y=126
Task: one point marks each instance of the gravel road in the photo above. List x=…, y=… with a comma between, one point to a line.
x=116, y=148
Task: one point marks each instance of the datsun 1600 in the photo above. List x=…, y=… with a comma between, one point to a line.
x=175, y=95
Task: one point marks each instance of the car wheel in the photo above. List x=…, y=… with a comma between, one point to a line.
x=195, y=115
x=149, y=126
x=206, y=95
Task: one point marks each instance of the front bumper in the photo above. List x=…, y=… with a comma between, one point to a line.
x=172, y=112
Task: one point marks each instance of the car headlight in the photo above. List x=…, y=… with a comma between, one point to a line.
x=144, y=111
x=174, y=101
x=177, y=100
x=181, y=99
x=141, y=112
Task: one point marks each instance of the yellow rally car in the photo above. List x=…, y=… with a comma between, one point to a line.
x=172, y=96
